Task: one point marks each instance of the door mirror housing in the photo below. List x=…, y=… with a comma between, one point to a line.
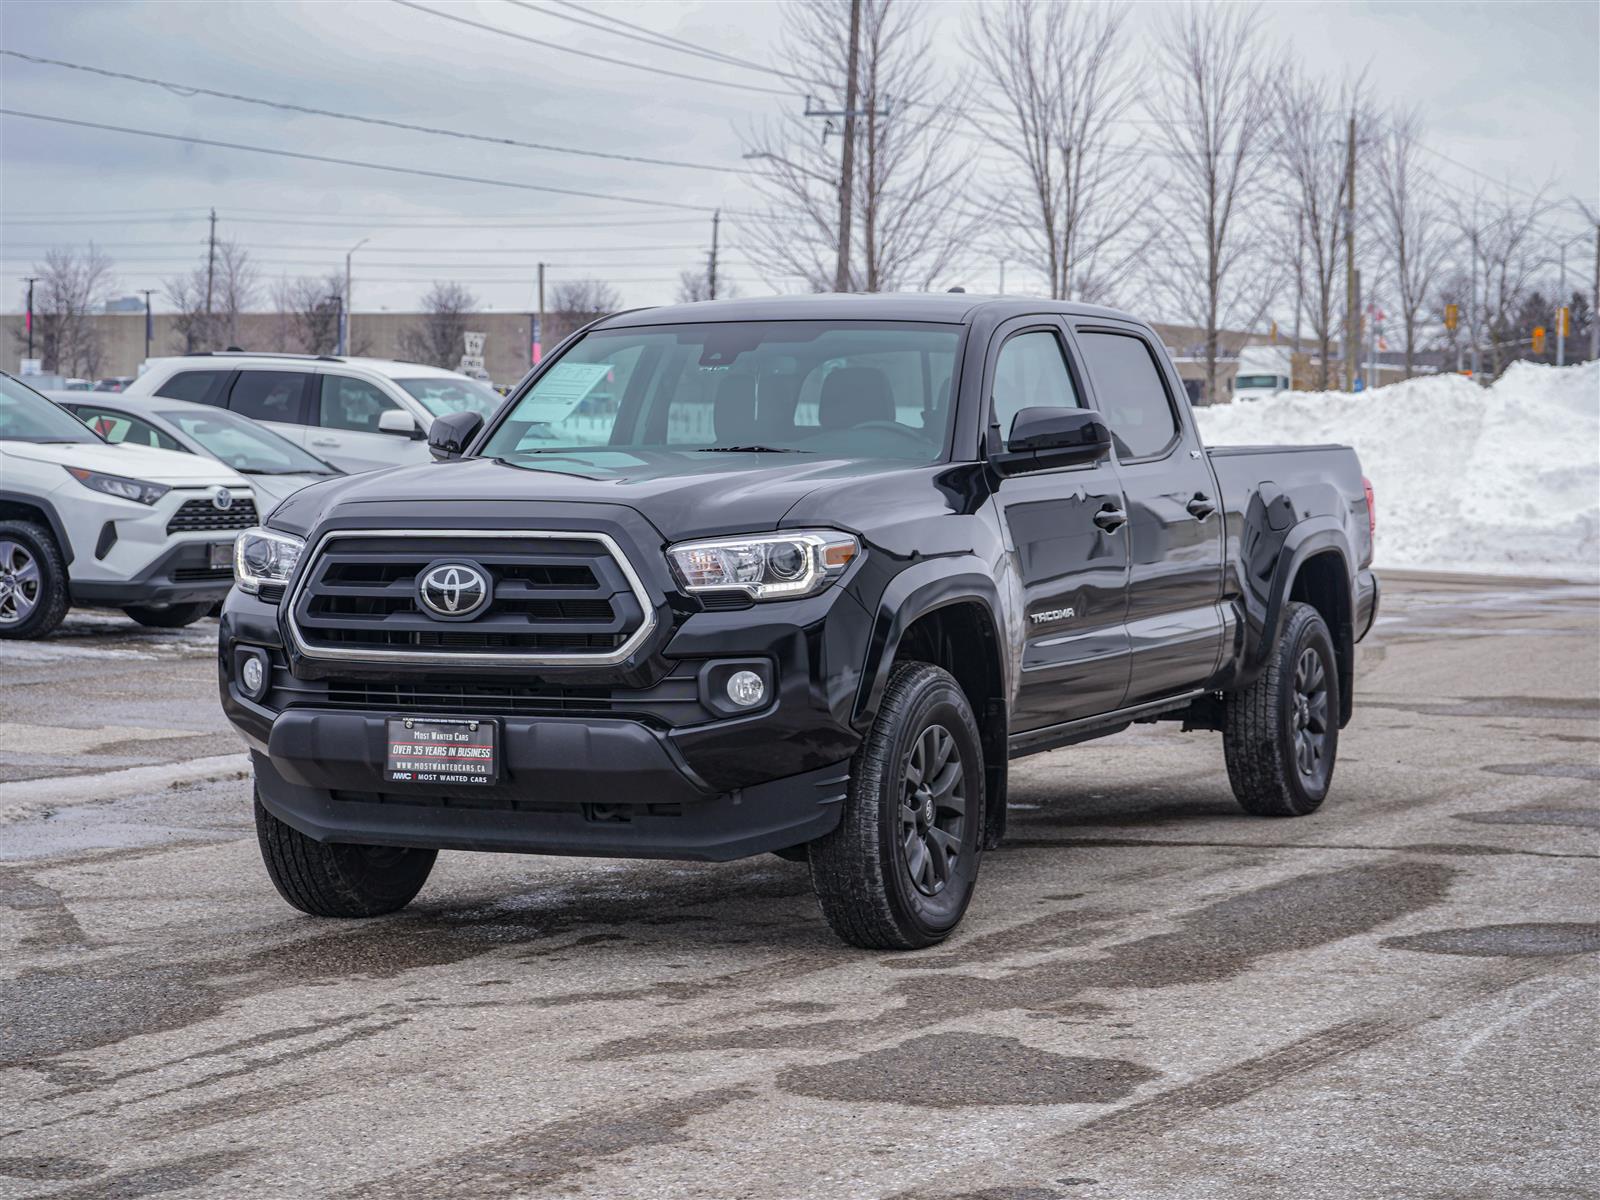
x=1044, y=438
x=398, y=422
x=452, y=433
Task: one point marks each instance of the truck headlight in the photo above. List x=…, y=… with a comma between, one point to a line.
x=765, y=566
x=264, y=556
x=136, y=490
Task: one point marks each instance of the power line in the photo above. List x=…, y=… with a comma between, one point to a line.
x=185, y=89
x=351, y=162
x=605, y=58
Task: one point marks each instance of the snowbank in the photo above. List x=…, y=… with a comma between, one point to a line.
x=1504, y=479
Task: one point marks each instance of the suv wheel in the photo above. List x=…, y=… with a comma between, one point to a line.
x=168, y=616
x=1282, y=732
x=33, y=581
x=335, y=880
x=899, y=870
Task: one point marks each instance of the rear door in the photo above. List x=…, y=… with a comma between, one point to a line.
x=278, y=399
x=1174, y=532
x=1073, y=562
x=344, y=427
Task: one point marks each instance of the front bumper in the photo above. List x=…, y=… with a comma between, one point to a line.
x=181, y=575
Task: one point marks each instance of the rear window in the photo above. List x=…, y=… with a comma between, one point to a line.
x=1132, y=397
x=197, y=387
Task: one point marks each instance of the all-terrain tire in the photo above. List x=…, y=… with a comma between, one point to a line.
x=332, y=880
x=1280, y=744
x=30, y=560
x=168, y=616
x=873, y=873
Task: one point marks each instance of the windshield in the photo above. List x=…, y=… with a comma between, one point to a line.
x=26, y=416
x=1258, y=381
x=443, y=394
x=246, y=446
x=848, y=389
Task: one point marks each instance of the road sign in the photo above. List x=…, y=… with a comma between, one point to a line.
x=1452, y=316
x=1564, y=320
x=31, y=366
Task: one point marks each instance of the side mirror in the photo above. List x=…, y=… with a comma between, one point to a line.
x=452, y=433
x=1043, y=438
x=399, y=422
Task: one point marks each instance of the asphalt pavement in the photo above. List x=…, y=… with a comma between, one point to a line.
x=1153, y=995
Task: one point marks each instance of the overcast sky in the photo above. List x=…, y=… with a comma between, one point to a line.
x=1510, y=92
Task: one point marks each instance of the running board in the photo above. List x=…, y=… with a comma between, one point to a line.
x=1033, y=741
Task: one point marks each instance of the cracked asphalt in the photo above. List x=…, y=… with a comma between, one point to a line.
x=1153, y=995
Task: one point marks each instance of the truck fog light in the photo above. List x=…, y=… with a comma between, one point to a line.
x=746, y=689
x=253, y=677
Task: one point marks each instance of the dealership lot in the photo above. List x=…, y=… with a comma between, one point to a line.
x=1152, y=996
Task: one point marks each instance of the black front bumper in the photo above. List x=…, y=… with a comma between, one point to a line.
x=180, y=576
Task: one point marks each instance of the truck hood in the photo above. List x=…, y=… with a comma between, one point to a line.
x=138, y=462
x=683, y=494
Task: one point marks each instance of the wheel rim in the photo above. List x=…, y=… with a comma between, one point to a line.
x=19, y=583
x=1310, y=714
x=933, y=810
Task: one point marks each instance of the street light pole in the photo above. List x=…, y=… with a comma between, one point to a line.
x=148, y=320
x=31, y=280
x=345, y=309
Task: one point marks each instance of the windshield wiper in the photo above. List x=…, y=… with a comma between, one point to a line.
x=749, y=450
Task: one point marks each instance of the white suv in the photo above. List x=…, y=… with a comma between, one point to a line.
x=357, y=413
x=84, y=522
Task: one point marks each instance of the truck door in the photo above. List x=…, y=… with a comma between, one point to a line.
x=1174, y=515
x=1064, y=527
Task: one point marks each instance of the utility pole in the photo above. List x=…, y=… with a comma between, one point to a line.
x=149, y=321
x=1002, y=277
x=31, y=280
x=1561, y=305
x=346, y=312
x=211, y=266
x=1352, y=309
x=538, y=322
x=711, y=265
x=1472, y=305
x=1594, y=300
x=847, y=159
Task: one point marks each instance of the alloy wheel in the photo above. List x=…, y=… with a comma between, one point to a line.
x=20, y=583
x=933, y=809
x=1310, y=713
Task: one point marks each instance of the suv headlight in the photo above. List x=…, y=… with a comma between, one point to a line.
x=264, y=556
x=766, y=566
x=136, y=490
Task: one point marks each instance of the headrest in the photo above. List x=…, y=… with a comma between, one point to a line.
x=854, y=396
x=733, y=412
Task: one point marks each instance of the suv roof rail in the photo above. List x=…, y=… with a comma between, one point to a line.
x=262, y=354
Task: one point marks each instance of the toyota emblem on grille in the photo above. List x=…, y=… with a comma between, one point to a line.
x=453, y=590
x=221, y=499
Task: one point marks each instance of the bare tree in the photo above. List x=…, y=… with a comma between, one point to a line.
x=210, y=298
x=438, y=340
x=576, y=302
x=71, y=286
x=1056, y=73
x=694, y=286
x=1310, y=132
x=308, y=313
x=1505, y=253
x=1410, y=224
x=1211, y=105
x=910, y=225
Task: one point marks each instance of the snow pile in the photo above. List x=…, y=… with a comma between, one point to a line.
x=1503, y=479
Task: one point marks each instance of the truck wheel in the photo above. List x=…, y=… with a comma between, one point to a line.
x=333, y=880
x=1281, y=734
x=900, y=868
x=168, y=616
x=33, y=581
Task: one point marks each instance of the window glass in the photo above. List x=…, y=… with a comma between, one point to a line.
x=26, y=416
x=118, y=427
x=198, y=387
x=271, y=396
x=1131, y=394
x=1031, y=373
x=244, y=445
x=442, y=394
x=352, y=404
x=857, y=389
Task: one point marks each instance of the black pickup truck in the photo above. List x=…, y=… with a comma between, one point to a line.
x=795, y=575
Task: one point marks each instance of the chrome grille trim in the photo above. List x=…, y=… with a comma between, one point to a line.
x=607, y=658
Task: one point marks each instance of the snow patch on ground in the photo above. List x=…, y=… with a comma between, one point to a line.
x=1503, y=479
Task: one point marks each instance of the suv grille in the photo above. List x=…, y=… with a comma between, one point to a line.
x=204, y=516
x=553, y=595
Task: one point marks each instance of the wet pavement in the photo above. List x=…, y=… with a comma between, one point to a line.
x=1153, y=994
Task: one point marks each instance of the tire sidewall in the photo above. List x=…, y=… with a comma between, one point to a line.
x=939, y=702
x=52, y=579
x=1309, y=633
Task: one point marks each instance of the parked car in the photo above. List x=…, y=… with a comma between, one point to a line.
x=84, y=522
x=113, y=383
x=834, y=562
x=357, y=413
x=274, y=465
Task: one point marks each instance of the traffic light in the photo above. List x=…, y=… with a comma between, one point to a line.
x=1538, y=339
x=1452, y=316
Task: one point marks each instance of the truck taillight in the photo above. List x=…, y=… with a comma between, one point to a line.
x=1372, y=507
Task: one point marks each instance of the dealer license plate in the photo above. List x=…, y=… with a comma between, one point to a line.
x=441, y=751
x=221, y=555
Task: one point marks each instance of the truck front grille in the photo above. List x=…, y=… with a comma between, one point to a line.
x=204, y=517
x=554, y=597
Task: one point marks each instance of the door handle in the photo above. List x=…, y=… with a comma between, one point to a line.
x=1200, y=507
x=324, y=441
x=1110, y=518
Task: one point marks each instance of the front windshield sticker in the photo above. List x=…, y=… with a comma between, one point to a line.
x=560, y=390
